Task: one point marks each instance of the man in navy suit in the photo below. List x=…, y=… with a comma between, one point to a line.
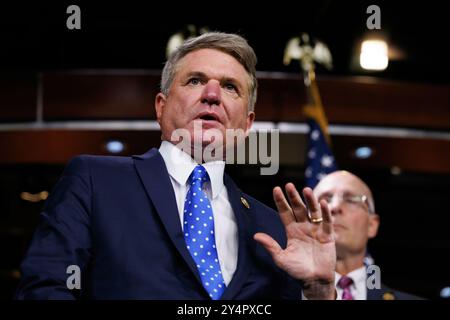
x=169, y=224
x=355, y=222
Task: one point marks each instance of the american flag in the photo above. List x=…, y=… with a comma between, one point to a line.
x=320, y=160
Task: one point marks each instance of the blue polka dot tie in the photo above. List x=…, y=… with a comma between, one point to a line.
x=199, y=233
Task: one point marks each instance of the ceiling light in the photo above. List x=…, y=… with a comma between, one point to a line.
x=445, y=293
x=396, y=170
x=115, y=146
x=374, y=55
x=363, y=152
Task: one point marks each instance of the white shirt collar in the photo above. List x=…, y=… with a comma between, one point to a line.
x=180, y=165
x=358, y=276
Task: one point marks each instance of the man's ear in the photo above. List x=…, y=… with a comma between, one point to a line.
x=250, y=120
x=374, y=223
x=160, y=102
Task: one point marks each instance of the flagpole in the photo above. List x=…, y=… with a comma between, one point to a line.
x=319, y=157
x=314, y=108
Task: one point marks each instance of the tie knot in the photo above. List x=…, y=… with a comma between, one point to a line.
x=199, y=175
x=345, y=282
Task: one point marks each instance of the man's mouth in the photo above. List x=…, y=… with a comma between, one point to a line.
x=206, y=116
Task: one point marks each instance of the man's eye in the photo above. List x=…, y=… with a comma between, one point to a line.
x=230, y=87
x=327, y=198
x=194, y=81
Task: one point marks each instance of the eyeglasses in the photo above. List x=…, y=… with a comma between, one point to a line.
x=350, y=200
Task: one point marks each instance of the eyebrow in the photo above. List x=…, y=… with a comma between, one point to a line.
x=197, y=74
x=222, y=80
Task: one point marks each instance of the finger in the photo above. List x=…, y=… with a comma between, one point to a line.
x=283, y=207
x=269, y=243
x=327, y=224
x=313, y=205
x=298, y=207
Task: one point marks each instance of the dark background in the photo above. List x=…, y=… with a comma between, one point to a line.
x=134, y=34
x=414, y=239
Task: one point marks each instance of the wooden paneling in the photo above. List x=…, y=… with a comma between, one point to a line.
x=357, y=100
x=130, y=95
x=376, y=102
x=58, y=146
x=421, y=155
x=18, y=97
x=68, y=96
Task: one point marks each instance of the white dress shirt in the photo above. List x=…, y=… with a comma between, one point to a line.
x=180, y=165
x=359, y=287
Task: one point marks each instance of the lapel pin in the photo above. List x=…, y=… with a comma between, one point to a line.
x=245, y=203
x=388, y=296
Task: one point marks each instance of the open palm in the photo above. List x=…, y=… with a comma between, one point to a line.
x=310, y=254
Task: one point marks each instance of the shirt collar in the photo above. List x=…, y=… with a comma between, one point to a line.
x=358, y=276
x=180, y=165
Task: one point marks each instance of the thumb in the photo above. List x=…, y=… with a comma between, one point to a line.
x=269, y=243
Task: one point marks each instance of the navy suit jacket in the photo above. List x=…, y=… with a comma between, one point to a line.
x=117, y=219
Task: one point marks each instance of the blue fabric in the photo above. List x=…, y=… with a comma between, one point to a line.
x=199, y=233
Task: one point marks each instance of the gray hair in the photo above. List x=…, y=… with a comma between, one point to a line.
x=232, y=44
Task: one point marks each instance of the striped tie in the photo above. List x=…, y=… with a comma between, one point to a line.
x=344, y=283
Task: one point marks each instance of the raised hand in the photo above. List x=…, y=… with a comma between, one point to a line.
x=310, y=254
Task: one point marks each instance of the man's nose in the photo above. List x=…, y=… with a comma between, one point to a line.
x=335, y=206
x=211, y=93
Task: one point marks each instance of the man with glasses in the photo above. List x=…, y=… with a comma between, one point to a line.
x=355, y=222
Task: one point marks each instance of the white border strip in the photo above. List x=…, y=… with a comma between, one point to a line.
x=284, y=127
x=366, y=131
x=84, y=125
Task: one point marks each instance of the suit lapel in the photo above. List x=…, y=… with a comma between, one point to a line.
x=245, y=234
x=155, y=178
